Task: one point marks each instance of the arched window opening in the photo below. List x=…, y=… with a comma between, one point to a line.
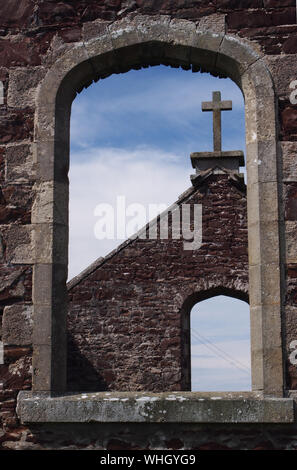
x=220, y=345
x=78, y=68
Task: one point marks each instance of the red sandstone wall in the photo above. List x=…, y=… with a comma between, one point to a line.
x=125, y=318
x=29, y=33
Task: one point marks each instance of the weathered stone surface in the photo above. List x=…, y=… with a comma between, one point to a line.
x=289, y=122
x=51, y=13
x=15, y=205
x=18, y=53
x=215, y=23
x=42, y=209
x=145, y=407
x=22, y=86
x=289, y=158
x=276, y=3
x=12, y=284
x=291, y=201
x=239, y=4
x=16, y=126
x=18, y=241
x=19, y=164
x=291, y=241
x=95, y=29
x=17, y=325
x=261, y=17
x=284, y=71
x=16, y=14
x=290, y=45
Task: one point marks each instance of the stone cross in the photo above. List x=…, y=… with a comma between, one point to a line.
x=217, y=106
x=217, y=160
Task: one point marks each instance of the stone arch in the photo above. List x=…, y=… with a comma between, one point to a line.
x=134, y=43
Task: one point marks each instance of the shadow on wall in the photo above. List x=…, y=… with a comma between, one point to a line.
x=81, y=375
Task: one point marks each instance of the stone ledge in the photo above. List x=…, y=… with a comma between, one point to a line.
x=169, y=407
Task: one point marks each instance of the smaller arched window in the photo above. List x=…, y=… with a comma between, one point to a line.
x=220, y=345
x=216, y=341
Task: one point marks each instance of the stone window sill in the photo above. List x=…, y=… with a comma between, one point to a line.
x=169, y=407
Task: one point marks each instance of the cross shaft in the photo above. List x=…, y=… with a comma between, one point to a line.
x=217, y=106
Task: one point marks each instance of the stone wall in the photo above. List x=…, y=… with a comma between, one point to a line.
x=33, y=35
x=126, y=316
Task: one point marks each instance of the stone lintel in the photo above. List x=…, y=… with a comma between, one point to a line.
x=146, y=407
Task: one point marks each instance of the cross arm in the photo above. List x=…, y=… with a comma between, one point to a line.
x=211, y=106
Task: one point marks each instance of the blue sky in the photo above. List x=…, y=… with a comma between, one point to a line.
x=132, y=135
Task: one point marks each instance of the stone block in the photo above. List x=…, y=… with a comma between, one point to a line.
x=42, y=370
x=290, y=196
x=152, y=28
x=259, y=74
x=276, y=4
x=49, y=284
x=19, y=247
x=264, y=283
x=215, y=23
x=273, y=372
x=266, y=347
x=182, y=33
x=234, y=51
x=284, y=70
x=51, y=159
x=42, y=284
x=42, y=331
x=289, y=159
x=1, y=93
x=18, y=51
x=23, y=83
x=16, y=126
x=291, y=241
x=263, y=242
x=44, y=127
x=95, y=29
x=51, y=203
x=43, y=206
x=19, y=164
x=289, y=122
x=50, y=243
x=43, y=158
x=42, y=235
x=290, y=325
x=262, y=202
x=265, y=119
x=290, y=45
x=126, y=32
x=17, y=325
x=261, y=162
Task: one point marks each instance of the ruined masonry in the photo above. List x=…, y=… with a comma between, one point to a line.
x=103, y=362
